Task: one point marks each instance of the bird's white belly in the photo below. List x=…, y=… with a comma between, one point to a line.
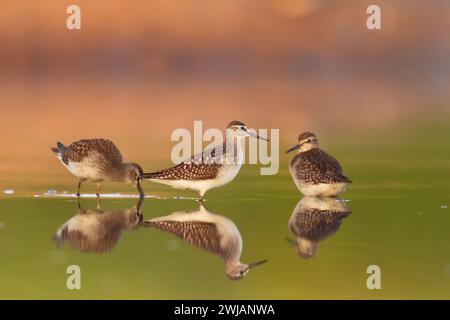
x=321, y=189
x=226, y=175
x=186, y=184
x=84, y=169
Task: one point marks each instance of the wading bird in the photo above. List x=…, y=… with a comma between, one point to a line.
x=98, y=160
x=210, y=169
x=315, y=172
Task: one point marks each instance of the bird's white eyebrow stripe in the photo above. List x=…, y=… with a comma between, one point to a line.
x=304, y=140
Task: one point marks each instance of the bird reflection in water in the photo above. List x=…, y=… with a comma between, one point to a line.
x=210, y=232
x=315, y=219
x=97, y=231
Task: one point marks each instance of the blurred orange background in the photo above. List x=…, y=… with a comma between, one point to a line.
x=138, y=70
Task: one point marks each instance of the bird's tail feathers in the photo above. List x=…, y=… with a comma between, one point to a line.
x=59, y=148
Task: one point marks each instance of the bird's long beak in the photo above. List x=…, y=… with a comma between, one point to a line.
x=251, y=134
x=258, y=263
x=296, y=147
x=139, y=188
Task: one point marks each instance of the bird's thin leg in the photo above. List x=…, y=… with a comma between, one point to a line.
x=98, y=203
x=79, y=203
x=141, y=192
x=79, y=187
x=139, y=204
x=139, y=214
x=98, y=189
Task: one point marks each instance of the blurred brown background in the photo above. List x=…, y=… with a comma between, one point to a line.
x=139, y=69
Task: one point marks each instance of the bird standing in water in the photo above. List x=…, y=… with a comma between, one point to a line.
x=315, y=172
x=210, y=169
x=98, y=160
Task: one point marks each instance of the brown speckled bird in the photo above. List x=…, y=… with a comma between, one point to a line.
x=210, y=169
x=98, y=231
x=315, y=219
x=210, y=232
x=315, y=172
x=98, y=160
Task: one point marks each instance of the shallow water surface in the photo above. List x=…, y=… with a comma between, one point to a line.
x=395, y=215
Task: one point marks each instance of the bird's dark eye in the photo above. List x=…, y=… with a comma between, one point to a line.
x=309, y=140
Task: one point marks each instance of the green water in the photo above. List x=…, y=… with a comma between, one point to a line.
x=400, y=221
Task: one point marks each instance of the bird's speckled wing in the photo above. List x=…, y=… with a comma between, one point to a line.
x=203, y=166
x=184, y=171
x=316, y=224
x=81, y=149
x=203, y=235
x=317, y=166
